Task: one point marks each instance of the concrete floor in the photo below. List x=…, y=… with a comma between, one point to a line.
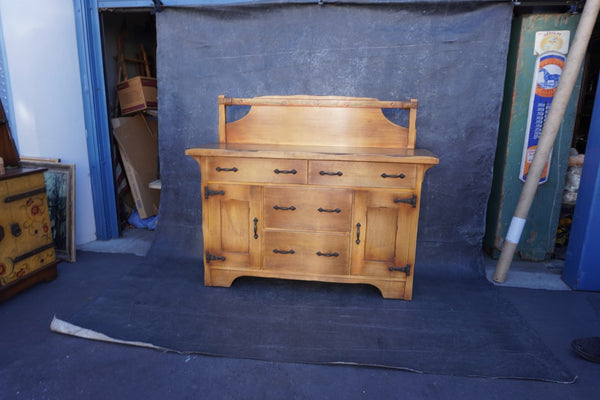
x=531, y=275
x=39, y=364
x=132, y=241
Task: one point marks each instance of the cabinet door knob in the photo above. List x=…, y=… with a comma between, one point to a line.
x=15, y=229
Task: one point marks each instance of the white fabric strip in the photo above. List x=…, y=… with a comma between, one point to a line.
x=515, y=230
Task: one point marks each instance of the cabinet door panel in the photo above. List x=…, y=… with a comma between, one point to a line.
x=385, y=233
x=230, y=215
x=380, y=234
x=234, y=227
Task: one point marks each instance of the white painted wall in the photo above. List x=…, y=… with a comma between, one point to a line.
x=42, y=62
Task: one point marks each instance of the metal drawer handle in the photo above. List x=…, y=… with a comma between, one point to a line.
x=283, y=251
x=283, y=171
x=401, y=176
x=21, y=196
x=33, y=252
x=339, y=173
x=219, y=169
x=291, y=208
x=321, y=209
x=255, y=228
x=336, y=254
x=358, y=225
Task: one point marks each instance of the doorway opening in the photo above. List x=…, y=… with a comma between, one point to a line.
x=129, y=59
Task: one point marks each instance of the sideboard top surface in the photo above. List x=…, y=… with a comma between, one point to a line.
x=410, y=156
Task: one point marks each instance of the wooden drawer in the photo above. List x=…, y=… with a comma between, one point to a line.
x=313, y=253
x=228, y=169
x=13, y=269
x=362, y=174
x=302, y=208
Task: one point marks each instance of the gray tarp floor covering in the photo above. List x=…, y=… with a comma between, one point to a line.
x=37, y=363
x=448, y=328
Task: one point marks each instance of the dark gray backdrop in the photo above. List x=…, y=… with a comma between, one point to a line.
x=450, y=56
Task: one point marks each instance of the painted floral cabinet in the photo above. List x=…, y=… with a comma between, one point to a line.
x=26, y=246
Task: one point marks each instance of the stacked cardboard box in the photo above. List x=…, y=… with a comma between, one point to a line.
x=137, y=94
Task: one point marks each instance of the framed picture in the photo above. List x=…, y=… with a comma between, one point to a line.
x=60, y=189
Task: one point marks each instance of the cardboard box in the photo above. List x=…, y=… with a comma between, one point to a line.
x=137, y=94
x=137, y=137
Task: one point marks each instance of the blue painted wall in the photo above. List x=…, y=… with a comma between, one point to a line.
x=582, y=265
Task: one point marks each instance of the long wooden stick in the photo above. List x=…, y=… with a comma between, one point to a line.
x=547, y=137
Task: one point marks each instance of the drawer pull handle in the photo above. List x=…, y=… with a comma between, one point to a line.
x=339, y=173
x=255, y=228
x=33, y=252
x=329, y=210
x=290, y=208
x=219, y=169
x=21, y=196
x=411, y=200
x=283, y=251
x=284, y=171
x=358, y=225
x=401, y=176
x=336, y=254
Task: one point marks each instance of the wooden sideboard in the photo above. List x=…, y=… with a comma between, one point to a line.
x=313, y=188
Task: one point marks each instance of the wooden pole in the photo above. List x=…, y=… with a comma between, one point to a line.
x=547, y=137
